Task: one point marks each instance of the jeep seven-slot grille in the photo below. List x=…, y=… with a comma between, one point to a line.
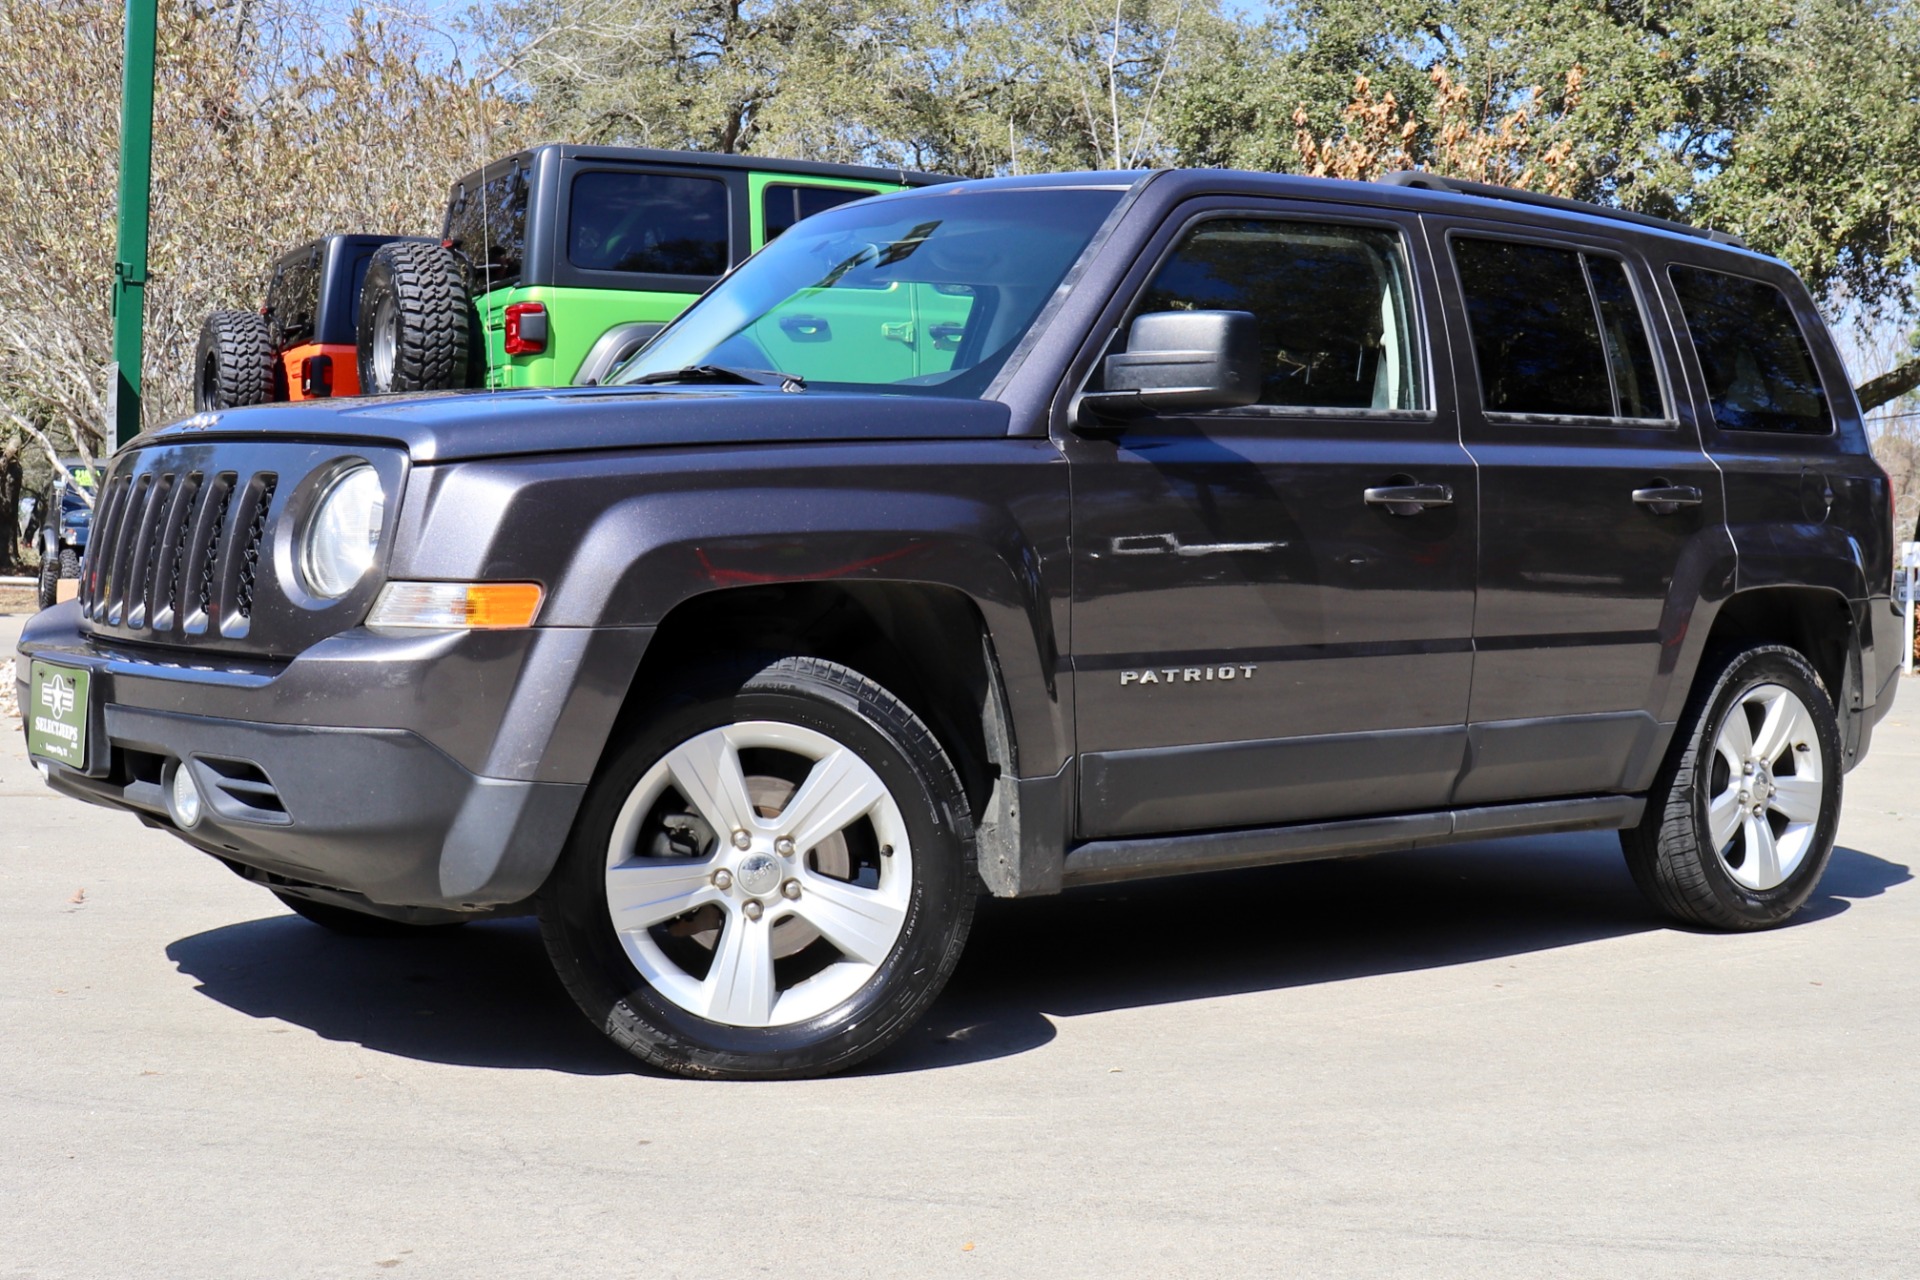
x=163, y=558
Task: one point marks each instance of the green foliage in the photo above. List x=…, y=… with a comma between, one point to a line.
x=958, y=85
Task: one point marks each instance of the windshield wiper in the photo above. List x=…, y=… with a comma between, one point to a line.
x=722, y=374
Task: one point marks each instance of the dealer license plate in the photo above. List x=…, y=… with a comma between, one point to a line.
x=56, y=713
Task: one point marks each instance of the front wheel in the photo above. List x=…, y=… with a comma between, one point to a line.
x=1741, y=820
x=774, y=878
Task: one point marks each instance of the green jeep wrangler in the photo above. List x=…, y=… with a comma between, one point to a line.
x=559, y=262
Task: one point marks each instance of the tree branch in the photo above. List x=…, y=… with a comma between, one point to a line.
x=1891, y=385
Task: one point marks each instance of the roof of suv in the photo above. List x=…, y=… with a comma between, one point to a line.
x=714, y=160
x=1407, y=190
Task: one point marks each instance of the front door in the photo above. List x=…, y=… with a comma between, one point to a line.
x=1599, y=512
x=1256, y=642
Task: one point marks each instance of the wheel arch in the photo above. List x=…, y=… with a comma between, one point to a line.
x=1818, y=622
x=929, y=644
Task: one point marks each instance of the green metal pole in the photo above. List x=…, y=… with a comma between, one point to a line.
x=136, y=180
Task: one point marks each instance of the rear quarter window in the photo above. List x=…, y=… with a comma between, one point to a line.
x=1759, y=371
x=487, y=225
x=783, y=204
x=657, y=223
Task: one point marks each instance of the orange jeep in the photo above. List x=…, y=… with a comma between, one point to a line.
x=300, y=345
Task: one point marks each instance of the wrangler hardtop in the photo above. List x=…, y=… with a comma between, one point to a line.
x=1012, y=536
x=558, y=262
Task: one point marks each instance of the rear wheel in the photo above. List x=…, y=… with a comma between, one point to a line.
x=233, y=362
x=415, y=320
x=1741, y=819
x=772, y=879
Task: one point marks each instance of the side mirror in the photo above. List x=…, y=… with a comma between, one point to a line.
x=1182, y=360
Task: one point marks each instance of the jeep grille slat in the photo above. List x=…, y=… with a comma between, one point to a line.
x=131, y=517
x=247, y=563
x=211, y=528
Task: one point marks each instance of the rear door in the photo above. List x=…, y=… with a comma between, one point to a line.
x=1594, y=493
x=1254, y=641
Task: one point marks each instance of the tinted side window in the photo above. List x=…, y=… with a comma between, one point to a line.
x=489, y=228
x=1636, y=381
x=292, y=299
x=649, y=222
x=1332, y=302
x=1759, y=372
x=1535, y=335
x=782, y=204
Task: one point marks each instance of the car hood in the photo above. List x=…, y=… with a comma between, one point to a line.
x=449, y=426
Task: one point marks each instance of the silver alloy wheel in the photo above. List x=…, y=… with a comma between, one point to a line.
x=386, y=341
x=765, y=874
x=1765, y=786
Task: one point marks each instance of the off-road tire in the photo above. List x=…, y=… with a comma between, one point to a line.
x=233, y=363
x=357, y=924
x=52, y=569
x=416, y=328
x=1670, y=852
x=903, y=752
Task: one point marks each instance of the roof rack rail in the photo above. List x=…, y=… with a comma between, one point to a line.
x=1460, y=186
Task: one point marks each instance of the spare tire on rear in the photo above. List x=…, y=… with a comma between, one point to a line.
x=414, y=320
x=233, y=362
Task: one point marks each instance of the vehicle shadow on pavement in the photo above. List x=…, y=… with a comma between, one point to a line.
x=484, y=996
x=1206, y=936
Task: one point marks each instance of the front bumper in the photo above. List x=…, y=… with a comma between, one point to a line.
x=439, y=770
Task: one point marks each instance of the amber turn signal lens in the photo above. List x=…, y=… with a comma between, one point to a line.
x=464, y=606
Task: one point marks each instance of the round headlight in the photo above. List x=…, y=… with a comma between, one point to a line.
x=343, y=534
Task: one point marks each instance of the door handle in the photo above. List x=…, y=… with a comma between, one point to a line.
x=1410, y=499
x=1664, y=500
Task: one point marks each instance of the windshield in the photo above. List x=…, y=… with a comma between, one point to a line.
x=925, y=295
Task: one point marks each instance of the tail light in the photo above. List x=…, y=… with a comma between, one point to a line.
x=526, y=328
x=316, y=376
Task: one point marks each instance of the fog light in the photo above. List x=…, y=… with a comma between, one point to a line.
x=183, y=797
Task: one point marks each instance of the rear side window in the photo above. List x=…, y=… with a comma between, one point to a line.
x=648, y=222
x=1332, y=303
x=1556, y=332
x=292, y=298
x=1760, y=374
x=783, y=204
x=488, y=226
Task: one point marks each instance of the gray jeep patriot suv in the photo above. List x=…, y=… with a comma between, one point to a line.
x=1015, y=534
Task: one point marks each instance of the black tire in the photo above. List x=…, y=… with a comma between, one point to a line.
x=1672, y=853
x=233, y=364
x=49, y=580
x=415, y=320
x=357, y=924
x=924, y=793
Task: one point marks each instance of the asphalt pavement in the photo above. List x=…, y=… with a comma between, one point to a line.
x=1492, y=1060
